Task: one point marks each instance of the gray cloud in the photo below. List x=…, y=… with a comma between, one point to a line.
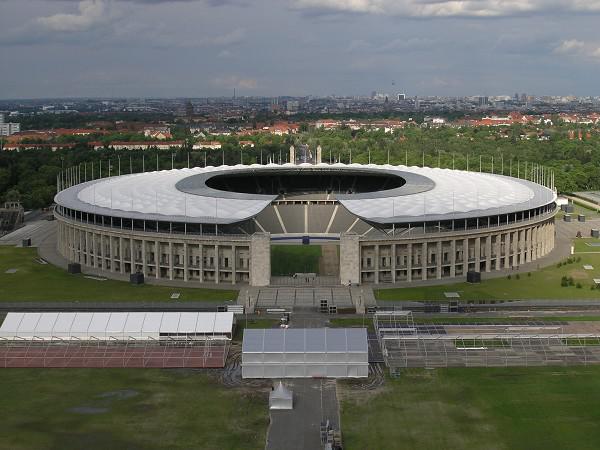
x=450, y=8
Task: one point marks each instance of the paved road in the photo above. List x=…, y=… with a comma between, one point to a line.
x=315, y=401
x=299, y=429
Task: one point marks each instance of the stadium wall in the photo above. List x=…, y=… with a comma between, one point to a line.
x=190, y=258
x=449, y=254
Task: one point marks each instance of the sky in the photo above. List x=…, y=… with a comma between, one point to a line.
x=198, y=48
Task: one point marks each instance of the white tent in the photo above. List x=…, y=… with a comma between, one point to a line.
x=305, y=353
x=281, y=398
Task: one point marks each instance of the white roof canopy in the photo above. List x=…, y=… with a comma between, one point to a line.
x=115, y=325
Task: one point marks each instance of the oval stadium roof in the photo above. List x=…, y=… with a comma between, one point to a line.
x=429, y=194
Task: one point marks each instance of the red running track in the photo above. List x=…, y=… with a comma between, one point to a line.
x=112, y=356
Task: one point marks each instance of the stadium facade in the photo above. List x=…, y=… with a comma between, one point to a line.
x=394, y=224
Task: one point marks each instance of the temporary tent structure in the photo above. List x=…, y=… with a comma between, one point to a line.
x=281, y=398
x=305, y=353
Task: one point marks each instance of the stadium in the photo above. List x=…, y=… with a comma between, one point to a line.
x=393, y=224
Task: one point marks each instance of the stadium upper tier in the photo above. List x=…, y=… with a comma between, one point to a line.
x=381, y=194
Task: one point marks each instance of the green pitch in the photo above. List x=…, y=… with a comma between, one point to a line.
x=36, y=282
x=286, y=260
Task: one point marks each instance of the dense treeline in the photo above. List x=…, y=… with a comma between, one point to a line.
x=31, y=175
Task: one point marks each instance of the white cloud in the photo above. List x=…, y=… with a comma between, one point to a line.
x=450, y=8
x=90, y=14
x=570, y=46
x=574, y=47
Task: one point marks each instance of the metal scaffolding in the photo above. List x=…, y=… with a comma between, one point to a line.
x=405, y=344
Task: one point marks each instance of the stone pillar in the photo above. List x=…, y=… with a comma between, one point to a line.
x=439, y=258
x=393, y=261
x=376, y=263
x=515, y=248
x=477, y=254
x=157, y=259
x=87, y=249
x=260, y=259
x=497, y=250
x=131, y=256
x=507, y=250
x=201, y=263
x=217, y=264
x=233, y=265
x=409, y=262
x=488, y=253
x=144, y=259
x=424, y=261
x=465, y=255
x=452, y=258
x=121, y=256
x=185, y=261
x=170, y=256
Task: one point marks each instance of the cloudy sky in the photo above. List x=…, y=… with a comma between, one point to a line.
x=193, y=48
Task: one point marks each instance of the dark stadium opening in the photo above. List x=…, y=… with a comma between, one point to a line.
x=300, y=182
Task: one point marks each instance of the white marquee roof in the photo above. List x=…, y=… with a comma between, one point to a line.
x=447, y=194
x=113, y=325
x=305, y=340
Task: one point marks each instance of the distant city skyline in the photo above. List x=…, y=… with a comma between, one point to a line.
x=208, y=48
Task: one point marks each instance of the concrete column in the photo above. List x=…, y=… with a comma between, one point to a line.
x=217, y=263
x=121, y=255
x=185, y=261
x=376, y=264
x=102, y=252
x=465, y=255
x=170, y=256
x=80, y=253
x=260, y=258
x=477, y=254
x=497, y=250
x=424, y=261
x=233, y=265
x=488, y=253
x=144, y=261
x=131, y=256
x=507, y=251
x=452, y=258
x=409, y=262
x=201, y=264
x=439, y=257
x=87, y=249
x=92, y=250
x=157, y=259
x=515, y=248
x=393, y=256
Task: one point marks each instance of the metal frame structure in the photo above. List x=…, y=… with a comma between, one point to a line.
x=57, y=346
x=405, y=344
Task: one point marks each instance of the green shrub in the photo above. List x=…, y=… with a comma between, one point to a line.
x=508, y=277
x=518, y=277
x=579, y=286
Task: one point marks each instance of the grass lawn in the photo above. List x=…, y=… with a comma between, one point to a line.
x=287, y=260
x=126, y=409
x=549, y=408
x=582, y=247
x=542, y=284
x=38, y=282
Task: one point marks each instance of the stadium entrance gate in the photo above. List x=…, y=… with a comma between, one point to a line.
x=306, y=280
